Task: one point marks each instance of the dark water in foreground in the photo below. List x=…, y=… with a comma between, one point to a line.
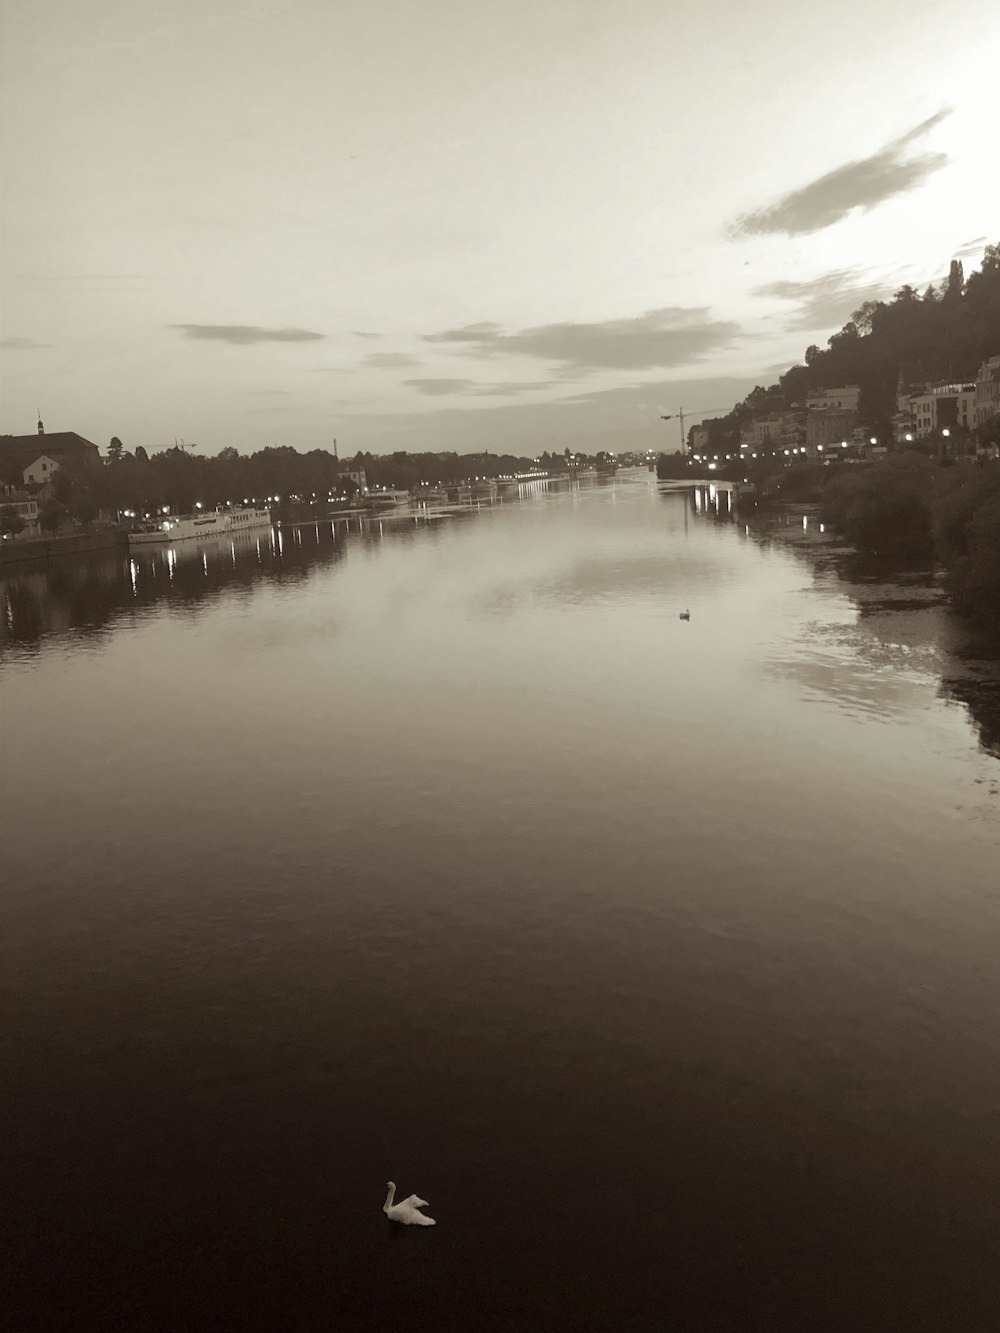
x=661, y=957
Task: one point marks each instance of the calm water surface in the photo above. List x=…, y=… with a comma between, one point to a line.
x=660, y=956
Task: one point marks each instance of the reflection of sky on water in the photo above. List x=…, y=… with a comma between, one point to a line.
x=896, y=642
x=618, y=564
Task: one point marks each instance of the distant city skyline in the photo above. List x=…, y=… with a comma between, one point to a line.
x=442, y=228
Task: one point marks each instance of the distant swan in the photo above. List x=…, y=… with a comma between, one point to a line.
x=407, y=1211
x=685, y=615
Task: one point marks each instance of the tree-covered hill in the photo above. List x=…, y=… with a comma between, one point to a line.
x=944, y=334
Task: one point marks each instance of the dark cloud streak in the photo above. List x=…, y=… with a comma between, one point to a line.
x=440, y=387
x=390, y=360
x=509, y=388
x=246, y=334
x=665, y=338
x=863, y=184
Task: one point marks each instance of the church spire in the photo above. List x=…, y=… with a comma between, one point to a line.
x=41, y=428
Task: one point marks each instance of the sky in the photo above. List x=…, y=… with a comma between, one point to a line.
x=430, y=224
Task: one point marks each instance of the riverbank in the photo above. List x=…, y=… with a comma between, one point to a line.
x=908, y=507
x=17, y=552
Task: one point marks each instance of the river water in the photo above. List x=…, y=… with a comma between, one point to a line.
x=659, y=955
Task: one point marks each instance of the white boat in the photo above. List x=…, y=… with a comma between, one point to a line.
x=389, y=495
x=211, y=523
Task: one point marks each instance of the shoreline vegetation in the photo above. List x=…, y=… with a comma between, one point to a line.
x=909, y=509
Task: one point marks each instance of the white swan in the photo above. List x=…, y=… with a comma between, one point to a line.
x=407, y=1211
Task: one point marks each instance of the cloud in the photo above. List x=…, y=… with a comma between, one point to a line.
x=509, y=387
x=969, y=248
x=863, y=184
x=478, y=333
x=242, y=334
x=106, y=282
x=712, y=397
x=668, y=337
x=501, y=389
x=21, y=345
x=824, y=302
x=441, y=386
x=390, y=359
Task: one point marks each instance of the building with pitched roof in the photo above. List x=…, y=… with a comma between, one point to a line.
x=62, y=447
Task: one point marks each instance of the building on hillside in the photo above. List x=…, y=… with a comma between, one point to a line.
x=767, y=431
x=792, y=430
x=988, y=391
x=843, y=399
x=24, y=506
x=40, y=472
x=64, y=447
x=359, y=477
x=937, y=407
x=776, y=430
x=829, y=426
x=965, y=404
x=699, y=439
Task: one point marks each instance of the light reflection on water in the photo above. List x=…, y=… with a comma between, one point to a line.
x=439, y=847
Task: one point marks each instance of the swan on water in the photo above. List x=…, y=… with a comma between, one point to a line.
x=406, y=1211
x=685, y=615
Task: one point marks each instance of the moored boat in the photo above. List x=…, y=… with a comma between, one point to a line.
x=389, y=495
x=210, y=523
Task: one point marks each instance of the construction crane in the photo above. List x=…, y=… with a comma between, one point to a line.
x=697, y=412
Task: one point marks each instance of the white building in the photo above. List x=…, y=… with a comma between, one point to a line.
x=43, y=469
x=988, y=391
x=940, y=407
x=24, y=506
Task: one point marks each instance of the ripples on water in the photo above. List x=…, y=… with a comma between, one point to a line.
x=659, y=956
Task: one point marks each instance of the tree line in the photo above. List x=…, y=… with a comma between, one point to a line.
x=178, y=478
x=908, y=508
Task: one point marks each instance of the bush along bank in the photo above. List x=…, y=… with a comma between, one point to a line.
x=910, y=508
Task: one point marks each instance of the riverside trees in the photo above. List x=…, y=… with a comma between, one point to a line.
x=908, y=508
x=179, y=478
